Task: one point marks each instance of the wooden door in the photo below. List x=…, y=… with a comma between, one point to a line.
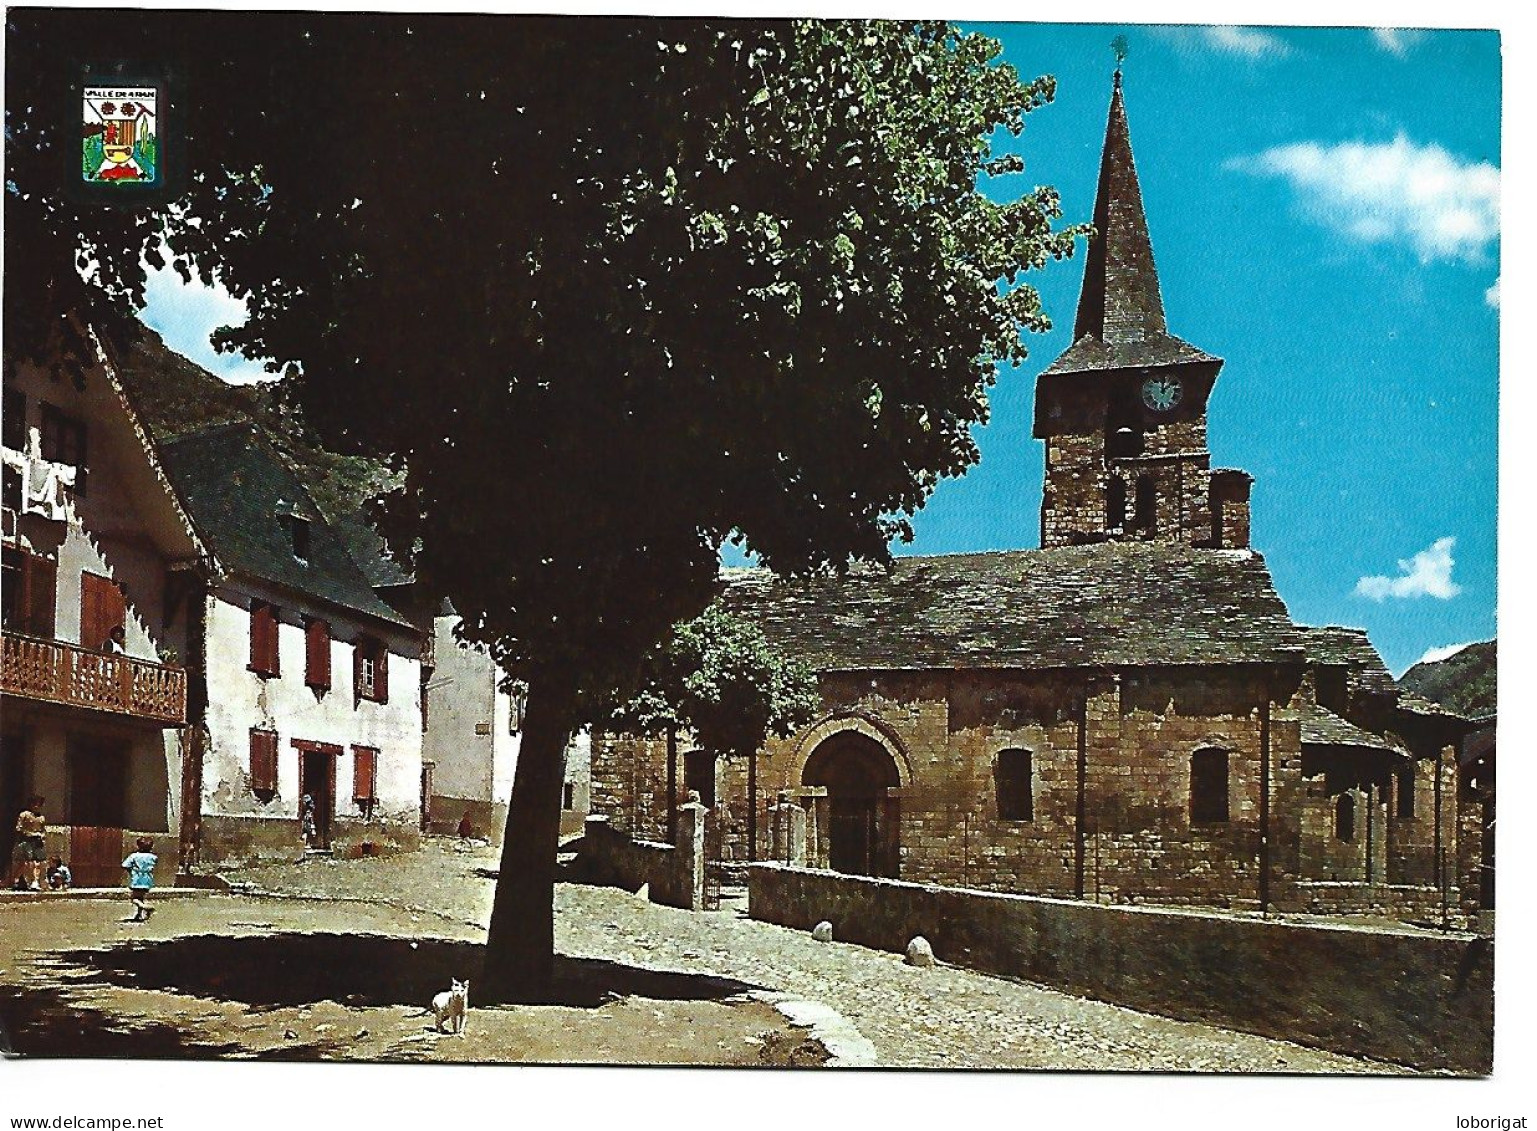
x=852, y=835
x=102, y=609
x=317, y=778
x=13, y=784
x=97, y=780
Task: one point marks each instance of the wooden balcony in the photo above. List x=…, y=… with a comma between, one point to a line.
x=55, y=672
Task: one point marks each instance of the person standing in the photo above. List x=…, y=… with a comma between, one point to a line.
x=140, y=866
x=307, y=828
x=30, y=826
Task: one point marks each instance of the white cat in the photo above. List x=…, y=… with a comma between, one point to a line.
x=452, y=1005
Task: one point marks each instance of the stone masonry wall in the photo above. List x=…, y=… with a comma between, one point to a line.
x=1136, y=843
x=1421, y=999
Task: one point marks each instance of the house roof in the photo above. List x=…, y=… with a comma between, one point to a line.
x=1333, y=646
x=1109, y=604
x=239, y=492
x=1120, y=322
x=1322, y=727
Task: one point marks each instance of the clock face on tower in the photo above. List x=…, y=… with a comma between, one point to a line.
x=1162, y=392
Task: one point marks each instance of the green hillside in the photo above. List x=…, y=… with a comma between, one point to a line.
x=175, y=396
x=1464, y=682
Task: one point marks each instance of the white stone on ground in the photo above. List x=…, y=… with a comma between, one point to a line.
x=823, y=931
x=919, y=952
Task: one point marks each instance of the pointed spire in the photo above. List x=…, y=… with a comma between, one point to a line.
x=1120, y=301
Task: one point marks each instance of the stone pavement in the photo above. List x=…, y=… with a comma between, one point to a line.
x=940, y=1017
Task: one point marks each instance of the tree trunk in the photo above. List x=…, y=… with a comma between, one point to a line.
x=520, y=947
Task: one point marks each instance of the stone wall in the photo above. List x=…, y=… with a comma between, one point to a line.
x=1416, y=998
x=1111, y=784
x=674, y=874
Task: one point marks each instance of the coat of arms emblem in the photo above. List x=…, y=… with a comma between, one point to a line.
x=119, y=135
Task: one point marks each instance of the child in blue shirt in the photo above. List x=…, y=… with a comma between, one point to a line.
x=141, y=877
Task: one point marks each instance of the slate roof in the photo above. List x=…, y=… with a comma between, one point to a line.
x=1332, y=645
x=238, y=489
x=1120, y=322
x=366, y=545
x=1322, y=727
x=1109, y=604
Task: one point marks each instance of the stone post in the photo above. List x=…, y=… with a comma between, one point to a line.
x=689, y=858
x=789, y=831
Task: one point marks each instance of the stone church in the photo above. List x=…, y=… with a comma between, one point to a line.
x=1127, y=714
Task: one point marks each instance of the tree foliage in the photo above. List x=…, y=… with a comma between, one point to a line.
x=602, y=292
x=718, y=677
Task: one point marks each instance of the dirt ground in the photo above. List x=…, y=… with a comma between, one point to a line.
x=278, y=979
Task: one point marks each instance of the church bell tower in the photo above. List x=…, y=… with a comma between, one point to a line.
x=1123, y=410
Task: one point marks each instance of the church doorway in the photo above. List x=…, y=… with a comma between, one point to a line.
x=860, y=816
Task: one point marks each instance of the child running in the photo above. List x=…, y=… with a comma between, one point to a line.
x=141, y=877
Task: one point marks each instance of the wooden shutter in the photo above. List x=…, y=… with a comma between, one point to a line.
x=102, y=609
x=264, y=761
x=317, y=654
x=359, y=649
x=264, y=638
x=364, y=772
x=41, y=586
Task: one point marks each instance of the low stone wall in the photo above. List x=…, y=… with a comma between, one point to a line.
x=674, y=875
x=1416, y=998
x=227, y=840
x=1405, y=902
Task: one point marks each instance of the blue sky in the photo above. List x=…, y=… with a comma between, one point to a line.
x=1325, y=216
x=1324, y=205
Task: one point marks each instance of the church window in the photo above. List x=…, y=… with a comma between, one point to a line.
x=1345, y=818
x=1016, y=789
x=1208, y=787
x=1406, y=792
x=1115, y=503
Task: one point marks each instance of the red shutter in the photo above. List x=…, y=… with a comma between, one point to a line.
x=364, y=771
x=264, y=638
x=317, y=654
x=264, y=761
x=358, y=650
x=381, y=672
x=102, y=609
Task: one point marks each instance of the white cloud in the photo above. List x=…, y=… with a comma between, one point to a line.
x=186, y=314
x=1442, y=206
x=1446, y=652
x=1492, y=295
x=1396, y=40
x=1249, y=42
x=1427, y=574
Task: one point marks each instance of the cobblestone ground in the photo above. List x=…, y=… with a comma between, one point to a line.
x=941, y=1017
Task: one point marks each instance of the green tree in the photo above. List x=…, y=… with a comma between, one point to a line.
x=602, y=293
x=718, y=677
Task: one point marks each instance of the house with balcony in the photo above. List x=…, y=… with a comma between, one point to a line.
x=94, y=540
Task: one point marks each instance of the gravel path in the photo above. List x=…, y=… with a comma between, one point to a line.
x=941, y=1017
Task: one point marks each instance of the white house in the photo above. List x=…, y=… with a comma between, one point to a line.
x=314, y=681
x=473, y=733
x=93, y=540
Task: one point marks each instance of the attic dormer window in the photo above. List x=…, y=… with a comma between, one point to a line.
x=299, y=532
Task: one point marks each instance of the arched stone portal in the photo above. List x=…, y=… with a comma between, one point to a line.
x=860, y=815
